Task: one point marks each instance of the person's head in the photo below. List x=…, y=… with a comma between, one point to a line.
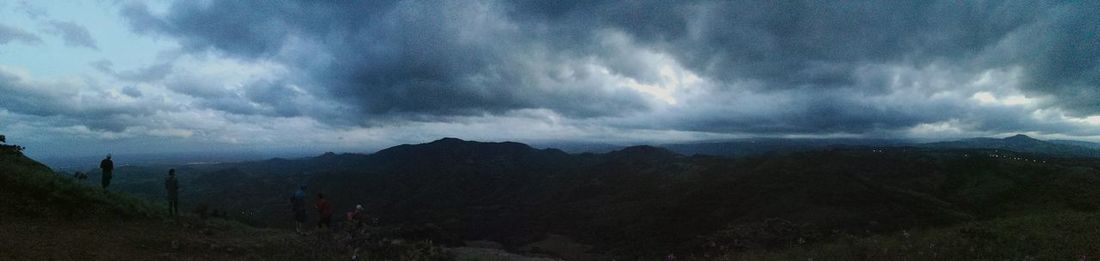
x=359, y=207
x=321, y=195
x=171, y=172
x=108, y=156
x=302, y=187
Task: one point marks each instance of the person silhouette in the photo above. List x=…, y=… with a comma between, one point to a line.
x=324, y=211
x=298, y=206
x=107, y=166
x=172, y=187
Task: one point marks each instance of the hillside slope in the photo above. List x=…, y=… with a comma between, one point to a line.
x=48, y=217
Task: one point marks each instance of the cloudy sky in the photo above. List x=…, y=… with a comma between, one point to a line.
x=87, y=77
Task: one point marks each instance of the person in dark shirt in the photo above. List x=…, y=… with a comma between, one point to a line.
x=107, y=166
x=298, y=206
x=172, y=187
x=324, y=209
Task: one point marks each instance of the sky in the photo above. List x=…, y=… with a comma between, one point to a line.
x=88, y=77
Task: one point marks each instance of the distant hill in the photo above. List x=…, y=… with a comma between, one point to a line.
x=752, y=147
x=1017, y=143
x=1025, y=144
x=1086, y=144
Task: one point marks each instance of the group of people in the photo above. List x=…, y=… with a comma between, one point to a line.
x=324, y=211
x=171, y=184
x=323, y=207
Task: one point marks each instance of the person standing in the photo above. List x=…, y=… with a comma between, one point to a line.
x=324, y=210
x=172, y=187
x=107, y=166
x=298, y=206
x=358, y=216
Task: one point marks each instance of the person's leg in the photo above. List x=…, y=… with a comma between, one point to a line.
x=299, y=219
x=106, y=179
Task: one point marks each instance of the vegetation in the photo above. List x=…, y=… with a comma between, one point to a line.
x=646, y=202
x=642, y=202
x=1051, y=236
x=29, y=189
x=52, y=217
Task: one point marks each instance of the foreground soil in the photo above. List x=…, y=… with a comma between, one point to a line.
x=168, y=239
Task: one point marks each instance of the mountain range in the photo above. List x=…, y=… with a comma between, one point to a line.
x=645, y=201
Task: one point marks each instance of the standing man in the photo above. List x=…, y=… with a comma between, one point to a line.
x=172, y=186
x=324, y=210
x=298, y=205
x=107, y=166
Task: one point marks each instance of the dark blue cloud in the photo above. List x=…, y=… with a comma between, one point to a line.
x=420, y=59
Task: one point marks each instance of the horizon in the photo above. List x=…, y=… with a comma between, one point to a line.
x=233, y=78
x=77, y=162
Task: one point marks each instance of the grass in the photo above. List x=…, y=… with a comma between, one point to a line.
x=31, y=190
x=1052, y=236
x=50, y=217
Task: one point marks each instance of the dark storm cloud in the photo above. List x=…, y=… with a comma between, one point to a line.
x=475, y=57
x=73, y=34
x=11, y=34
x=64, y=105
x=1061, y=55
x=403, y=58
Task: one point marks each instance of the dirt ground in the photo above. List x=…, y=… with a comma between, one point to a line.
x=170, y=239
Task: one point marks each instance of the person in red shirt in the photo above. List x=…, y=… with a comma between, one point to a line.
x=324, y=208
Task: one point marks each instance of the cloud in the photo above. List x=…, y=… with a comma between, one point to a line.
x=75, y=102
x=73, y=34
x=827, y=65
x=1060, y=56
x=406, y=59
x=11, y=34
x=31, y=11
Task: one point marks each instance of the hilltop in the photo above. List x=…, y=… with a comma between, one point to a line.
x=1025, y=144
x=51, y=217
x=643, y=202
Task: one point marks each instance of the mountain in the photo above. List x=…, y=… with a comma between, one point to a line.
x=1086, y=144
x=752, y=147
x=1021, y=143
x=755, y=147
x=644, y=201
